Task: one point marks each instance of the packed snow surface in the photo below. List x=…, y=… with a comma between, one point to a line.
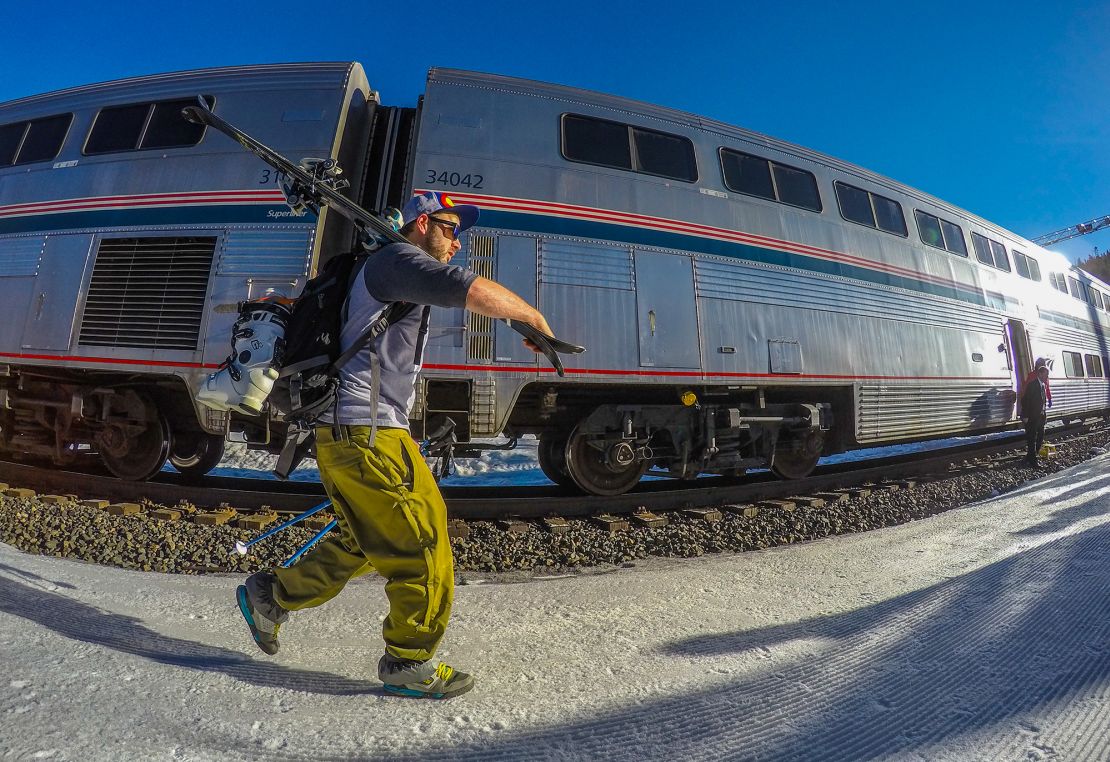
x=981, y=633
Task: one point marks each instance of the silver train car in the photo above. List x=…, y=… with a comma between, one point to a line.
x=745, y=302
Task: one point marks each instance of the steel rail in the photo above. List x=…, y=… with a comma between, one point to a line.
x=487, y=503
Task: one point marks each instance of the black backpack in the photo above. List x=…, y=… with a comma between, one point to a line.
x=310, y=361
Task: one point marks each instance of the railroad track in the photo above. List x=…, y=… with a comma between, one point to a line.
x=490, y=503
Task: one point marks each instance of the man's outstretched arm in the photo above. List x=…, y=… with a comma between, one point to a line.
x=494, y=300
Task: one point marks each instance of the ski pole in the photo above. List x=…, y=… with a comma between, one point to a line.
x=241, y=547
x=293, y=558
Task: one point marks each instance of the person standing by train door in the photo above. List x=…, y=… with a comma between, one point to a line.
x=1034, y=399
x=391, y=516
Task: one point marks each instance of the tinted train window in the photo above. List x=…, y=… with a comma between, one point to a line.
x=990, y=252
x=855, y=204
x=1026, y=267
x=1059, y=282
x=44, y=139
x=871, y=209
x=658, y=153
x=954, y=238
x=749, y=174
x=796, y=187
x=144, y=125
x=1094, y=366
x=1073, y=365
x=613, y=144
x=35, y=140
x=11, y=135
x=939, y=233
x=595, y=141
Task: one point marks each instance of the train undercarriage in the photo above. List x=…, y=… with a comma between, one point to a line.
x=130, y=425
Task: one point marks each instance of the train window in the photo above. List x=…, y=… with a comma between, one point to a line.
x=658, y=153
x=940, y=234
x=855, y=204
x=1026, y=267
x=749, y=174
x=954, y=238
x=44, y=139
x=143, y=125
x=168, y=129
x=611, y=144
x=1059, y=282
x=990, y=252
x=1075, y=288
x=796, y=187
x=1094, y=297
x=11, y=135
x=871, y=209
x=117, y=129
x=1073, y=365
x=928, y=227
x=889, y=215
x=1094, y=365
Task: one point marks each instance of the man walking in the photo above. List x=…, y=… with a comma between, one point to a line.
x=1034, y=399
x=391, y=516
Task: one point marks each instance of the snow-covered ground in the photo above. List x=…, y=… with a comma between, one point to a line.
x=982, y=633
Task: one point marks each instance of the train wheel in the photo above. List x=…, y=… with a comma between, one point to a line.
x=553, y=458
x=612, y=471
x=137, y=447
x=796, y=459
x=195, y=453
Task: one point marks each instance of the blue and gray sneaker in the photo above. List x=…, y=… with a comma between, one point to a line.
x=422, y=679
x=263, y=614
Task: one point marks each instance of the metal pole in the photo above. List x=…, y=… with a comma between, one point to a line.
x=293, y=558
x=241, y=547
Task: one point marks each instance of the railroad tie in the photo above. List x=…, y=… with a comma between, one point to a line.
x=649, y=520
x=55, y=499
x=747, y=511
x=215, y=518
x=785, y=505
x=96, y=503
x=809, y=501
x=318, y=521
x=609, y=522
x=512, y=525
x=457, y=529
x=165, y=514
x=704, y=514
x=556, y=524
x=257, y=521
x=19, y=492
x=832, y=497
x=123, y=509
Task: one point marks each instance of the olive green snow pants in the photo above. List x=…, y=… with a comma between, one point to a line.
x=391, y=518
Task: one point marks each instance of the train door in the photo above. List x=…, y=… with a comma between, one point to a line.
x=666, y=311
x=1020, y=357
x=55, y=290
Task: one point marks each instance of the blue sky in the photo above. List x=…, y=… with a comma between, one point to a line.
x=999, y=108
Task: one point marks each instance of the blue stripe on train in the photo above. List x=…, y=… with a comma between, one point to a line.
x=536, y=223
x=216, y=214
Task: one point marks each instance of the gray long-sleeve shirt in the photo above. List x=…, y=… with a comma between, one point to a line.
x=397, y=273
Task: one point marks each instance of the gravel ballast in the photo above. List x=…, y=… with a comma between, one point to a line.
x=140, y=541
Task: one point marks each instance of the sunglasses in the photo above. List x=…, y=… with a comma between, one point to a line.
x=454, y=226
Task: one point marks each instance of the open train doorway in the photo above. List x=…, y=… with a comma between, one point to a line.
x=1020, y=357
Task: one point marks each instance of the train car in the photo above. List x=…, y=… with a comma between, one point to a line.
x=745, y=302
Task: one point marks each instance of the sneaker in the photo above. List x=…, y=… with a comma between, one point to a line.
x=263, y=614
x=422, y=679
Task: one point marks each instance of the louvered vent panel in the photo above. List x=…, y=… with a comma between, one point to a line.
x=479, y=328
x=21, y=255
x=273, y=252
x=148, y=292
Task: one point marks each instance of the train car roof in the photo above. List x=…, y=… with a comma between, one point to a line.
x=226, y=77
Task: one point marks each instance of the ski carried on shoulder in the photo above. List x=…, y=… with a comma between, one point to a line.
x=315, y=183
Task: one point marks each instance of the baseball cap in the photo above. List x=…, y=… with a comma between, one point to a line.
x=431, y=202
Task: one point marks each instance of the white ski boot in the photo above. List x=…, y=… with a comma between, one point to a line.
x=248, y=374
